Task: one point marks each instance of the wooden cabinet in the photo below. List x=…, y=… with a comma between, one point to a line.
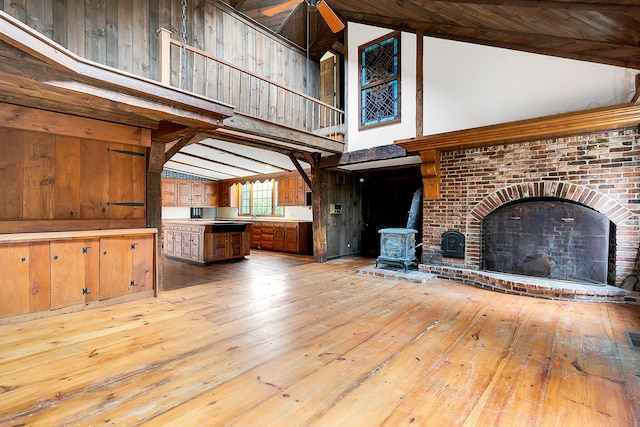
x=50, y=271
x=285, y=236
x=206, y=242
x=292, y=191
x=187, y=193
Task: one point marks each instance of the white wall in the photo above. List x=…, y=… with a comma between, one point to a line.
x=469, y=85
x=383, y=135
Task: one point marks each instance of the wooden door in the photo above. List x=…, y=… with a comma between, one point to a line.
x=196, y=247
x=291, y=239
x=115, y=266
x=142, y=257
x=235, y=245
x=211, y=194
x=169, y=192
x=74, y=272
x=184, y=193
x=327, y=80
x=278, y=237
x=197, y=194
x=14, y=279
x=220, y=246
x=169, y=241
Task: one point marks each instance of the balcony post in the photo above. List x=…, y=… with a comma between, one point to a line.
x=164, y=56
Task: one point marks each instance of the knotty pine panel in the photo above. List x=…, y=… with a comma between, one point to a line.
x=120, y=182
x=94, y=192
x=14, y=279
x=39, y=277
x=67, y=178
x=39, y=176
x=11, y=173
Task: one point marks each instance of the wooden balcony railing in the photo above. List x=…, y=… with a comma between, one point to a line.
x=199, y=72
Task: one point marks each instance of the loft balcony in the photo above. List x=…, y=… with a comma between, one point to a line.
x=267, y=114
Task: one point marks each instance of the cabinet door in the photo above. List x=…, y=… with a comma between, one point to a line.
x=169, y=241
x=195, y=252
x=169, y=192
x=185, y=246
x=197, y=193
x=278, y=237
x=142, y=257
x=235, y=245
x=184, y=193
x=300, y=192
x=14, y=279
x=115, y=266
x=74, y=272
x=292, y=238
x=211, y=194
x=220, y=246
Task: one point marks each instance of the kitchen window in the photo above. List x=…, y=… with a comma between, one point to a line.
x=260, y=199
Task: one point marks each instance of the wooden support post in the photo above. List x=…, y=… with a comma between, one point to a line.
x=154, y=202
x=320, y=209
x=420, y=83
x=164, y=56
x=430, y=169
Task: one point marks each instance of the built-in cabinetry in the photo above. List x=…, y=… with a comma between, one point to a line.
x=208, y=241
x=283, y=236
x=189, y=193
x=49, y=271
x=292, y=191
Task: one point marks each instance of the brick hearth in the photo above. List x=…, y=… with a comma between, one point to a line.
x=599, y=170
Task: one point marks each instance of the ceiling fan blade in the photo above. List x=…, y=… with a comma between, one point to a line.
x=281, y=7
x=330, y=17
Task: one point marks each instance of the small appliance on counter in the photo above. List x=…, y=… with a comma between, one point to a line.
x=196, y=213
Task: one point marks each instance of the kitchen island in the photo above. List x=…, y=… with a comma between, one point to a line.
x=204, y=241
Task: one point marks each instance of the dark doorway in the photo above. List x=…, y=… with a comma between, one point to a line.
x=386, y=201
x=548, y=238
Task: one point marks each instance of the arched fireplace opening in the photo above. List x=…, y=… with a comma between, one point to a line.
x=551, y=238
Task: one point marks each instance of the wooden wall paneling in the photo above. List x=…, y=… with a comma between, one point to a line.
x=142, y=260
x=16, y=8
x=40, y=16
x=39, y=276
x=60, y=23
x=139, y=164
x=343, y=230
x=120, y=182
x=116, y=267
x=94, y=191
x=39, y=177
x=124, y=33
x=67, y=178
x=14, y=279
x=96, y=31
x=111, y=34
x=76, y=38
x=141, y=36
x=12, y=160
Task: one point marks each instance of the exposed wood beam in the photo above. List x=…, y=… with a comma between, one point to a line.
x=182, y=142
x=385, y=152
x=615, y=6
x=419, y=82
x=556, y=126
x=301, y=171
x=246, y=124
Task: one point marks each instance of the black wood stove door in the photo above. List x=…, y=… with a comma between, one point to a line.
x=548, y=238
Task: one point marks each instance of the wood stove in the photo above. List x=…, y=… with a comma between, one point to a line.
x=397, y=246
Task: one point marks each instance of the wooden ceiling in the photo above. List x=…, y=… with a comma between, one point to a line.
x=601, y=31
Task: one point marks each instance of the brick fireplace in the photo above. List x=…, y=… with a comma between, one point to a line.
x=597, y=170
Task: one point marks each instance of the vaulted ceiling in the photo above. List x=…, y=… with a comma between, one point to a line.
x=600, y=31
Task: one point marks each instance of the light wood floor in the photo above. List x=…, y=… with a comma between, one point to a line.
x=318, y=345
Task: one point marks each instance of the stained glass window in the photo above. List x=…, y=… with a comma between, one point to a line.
x=380, y=81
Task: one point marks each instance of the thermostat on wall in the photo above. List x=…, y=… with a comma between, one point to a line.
x=335, y=208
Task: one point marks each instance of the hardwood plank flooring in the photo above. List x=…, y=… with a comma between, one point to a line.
x=277, y=340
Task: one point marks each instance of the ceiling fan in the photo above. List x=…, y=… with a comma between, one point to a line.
x=330, y=17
